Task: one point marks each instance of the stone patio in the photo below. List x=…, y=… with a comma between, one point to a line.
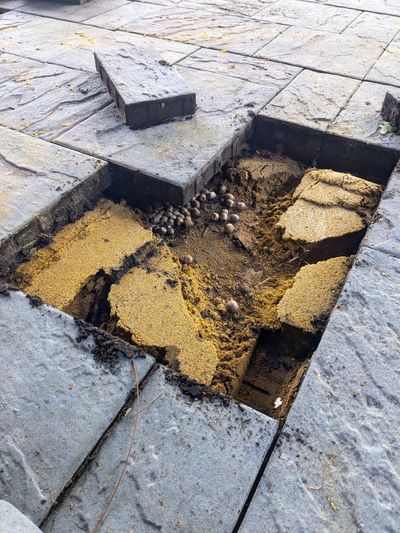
x=317, y=70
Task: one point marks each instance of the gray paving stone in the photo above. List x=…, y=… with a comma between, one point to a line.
x=59, y=395
x=312, y=99
x=13, y=521
x=276, y=75
x=12, y=66
x=69, y=11
x=334, y=53
x=361, y=117
x=335, y=466
x=193, y=463
x=42, y=38
x=235, y=7
x=11, y=4
x=374, y=26
x=42, y=186
x=30, y=105
x=82, y=57
x=116, y=17
x=146, y=89
x=384, y=232
x=213, y=30
x=306, y=15
x=205, y=142
x=387, y=68
x=388, y=7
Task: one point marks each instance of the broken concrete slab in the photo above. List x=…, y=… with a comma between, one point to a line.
x=339, y=444
x=329, y=205
x=148, y=305
x=43, y=186
x=91, y=250
x=309, y=302
x=207, y=141
x=29, y=106
x=195, y=457
x=334, y=53
x=146, y=89
x=69, y=380
x=13, y=521
x=312, y=99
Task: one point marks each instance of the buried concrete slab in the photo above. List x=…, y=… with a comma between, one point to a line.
x=146, y=89
x=194, y=459
x=29, y=106
x=206, y=141
x=63, y=385
x=43, y=186
x=337, y=458
x=13, y=521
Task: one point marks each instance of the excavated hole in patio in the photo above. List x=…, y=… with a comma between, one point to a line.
x=283, y=266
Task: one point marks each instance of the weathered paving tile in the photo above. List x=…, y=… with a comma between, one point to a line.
x=334, y=53
x=82, y=57
x=235, y=7
x=209, y=29
x=12, y=66
x=374, y=26
x=41, y=38
x=205, y=141
x=312, y=99
x=388, y=7
x=306, y=15
x=146, y=89
x=122, y=15
x=73, y=13
x=361, y=117
x=11, y=4
x=387, y=68
x=47, y=100
x=42, y=186
x=194, y=459
x=13, y=520
x=276, y=75
x=384, y=232
x=58, y=397
x=337, y=458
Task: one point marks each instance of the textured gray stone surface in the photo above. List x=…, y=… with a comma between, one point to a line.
x=12, y=66
x=336, y=465
x=361, y=116
x=276, y=75
x=389, y=7
x=146, y=89
x=384, y=232
x=209, y=29
x=205, y=142
x=118, y=16
x=28, y=104
x=374, y=26
x=193, y=463
x=387, y=68
x=312, y=99
x=13, y=521
x=334, y=53
x=234, y=7
x=58, y=396
x=42, y=186
x=65, y=11
x=314, y=16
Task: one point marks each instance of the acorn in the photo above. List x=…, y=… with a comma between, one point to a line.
x=214, y=217
x=229, y=203
x=223, y=216
x=229, y=196
x=241, y=206
x=189, y=222
x=229, y=228
x=211, y=195
x=234, y=218
x=232, y=306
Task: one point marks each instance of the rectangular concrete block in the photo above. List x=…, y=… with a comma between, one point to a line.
x=63, y=384
x=146, y=89
x=194, y=459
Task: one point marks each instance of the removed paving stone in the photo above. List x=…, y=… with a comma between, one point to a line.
x=329, y=205
x=71, y=270
x=146, y=89
x=63, y=384
x=194, y=460
x=13, y=521
x=309, y=302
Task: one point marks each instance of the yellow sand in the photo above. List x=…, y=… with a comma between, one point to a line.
x=308, y=303
x=148, y=304
x=329, y=205
x=98, y=241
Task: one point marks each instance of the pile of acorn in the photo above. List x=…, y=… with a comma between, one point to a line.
x=167, y=220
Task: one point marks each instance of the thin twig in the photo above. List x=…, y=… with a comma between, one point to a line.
x=145, y=406
x=101, y=518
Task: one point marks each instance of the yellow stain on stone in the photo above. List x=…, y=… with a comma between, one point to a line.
x=309, y=302
x=99, y=240
x=149, y=305
x=329, y=205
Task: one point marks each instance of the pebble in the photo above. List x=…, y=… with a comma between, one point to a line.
x=234, y=218
x=241, y=206
x=187, y=259
x=223, y=216
x=229, y=228
x=211, y=196
x=229, y=203
x=229, y=196
x=232, y=306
